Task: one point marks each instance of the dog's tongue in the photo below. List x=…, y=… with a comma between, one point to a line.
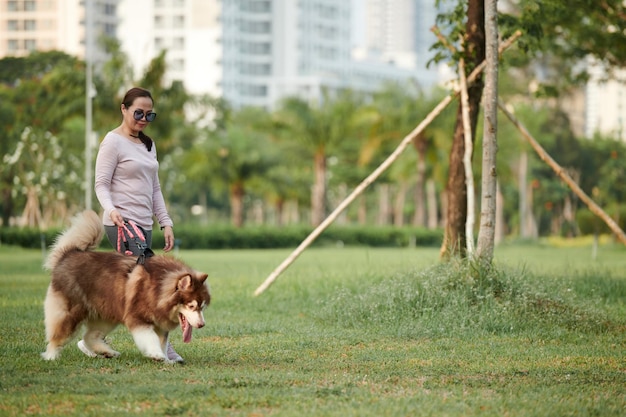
x=186, y=328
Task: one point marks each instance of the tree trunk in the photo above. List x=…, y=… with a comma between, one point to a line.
x=7, y=207
x=487, y=231
x=522, y=176
x=454, y=241
x=236, y=204
x=384, y=206
x=433, y=215
x=318, y=194
x=398, y=205
x=362, y=211
x=467, y=164
x=500, y=225
x=341, y=193
x=279, y=207
x=419, y=216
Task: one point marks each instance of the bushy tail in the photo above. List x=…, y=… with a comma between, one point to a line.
x=85, y=233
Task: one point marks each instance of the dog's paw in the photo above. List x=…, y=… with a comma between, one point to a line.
x=110, y=354
x=50, y=356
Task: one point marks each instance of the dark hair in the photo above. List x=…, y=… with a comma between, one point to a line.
x=129, y=99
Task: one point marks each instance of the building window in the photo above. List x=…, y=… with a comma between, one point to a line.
x=159, y=44
x=158, y=22
x=252, y=26
x=12, y=6
x=255, y=69
x=13, y=26
x=13, y=45
x=178, y=3
x=256, y=6
x=30, y=6
x=30, y=44
x=179, y=22
x=178, y=44
x=178, y=64
x=110, y=29
x=256, y=48
x=30, y=25
x=110, y=10
x=252, y=90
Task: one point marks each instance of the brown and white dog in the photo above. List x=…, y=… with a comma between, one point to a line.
x=104, y=289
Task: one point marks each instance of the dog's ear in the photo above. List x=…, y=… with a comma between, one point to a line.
x=201, y=276
x=184, y=283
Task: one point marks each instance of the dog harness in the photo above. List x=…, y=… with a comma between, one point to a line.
x=130, y=229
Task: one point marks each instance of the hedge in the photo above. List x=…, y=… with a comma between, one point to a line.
x=227, y=237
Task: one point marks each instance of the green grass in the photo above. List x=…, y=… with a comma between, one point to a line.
x=348, y=332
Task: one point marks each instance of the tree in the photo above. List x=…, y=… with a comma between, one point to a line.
x=473, y=52
x=320, y=128
x=45, y=175
x=230, y=159
x=46, y=93
x=568, y=33
x=486, y=234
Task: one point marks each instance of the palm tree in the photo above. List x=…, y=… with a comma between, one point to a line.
x=232, y=158
x=393, y=112
x=320, y=128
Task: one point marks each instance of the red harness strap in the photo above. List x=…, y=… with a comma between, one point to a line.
x=137, y=235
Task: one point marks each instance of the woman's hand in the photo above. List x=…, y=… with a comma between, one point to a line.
x=117, y=218
x=168, y=235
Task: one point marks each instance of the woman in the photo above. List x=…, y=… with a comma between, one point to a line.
x=127, y=182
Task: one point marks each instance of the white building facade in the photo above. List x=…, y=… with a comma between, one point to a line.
x=254, y=52
x=29, y=25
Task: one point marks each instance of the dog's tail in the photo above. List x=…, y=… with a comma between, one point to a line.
x=85, y=233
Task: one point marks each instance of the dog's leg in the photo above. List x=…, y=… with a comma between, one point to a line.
x=94, y=338
x=61, y=323
x=149, y=343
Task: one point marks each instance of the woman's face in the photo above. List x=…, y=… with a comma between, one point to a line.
x=140, y=105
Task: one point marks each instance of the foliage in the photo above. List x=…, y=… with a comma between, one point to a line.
x=589, y=224
x=571, y=31
x=42, y=102
x=320, y=127
x=44, y=176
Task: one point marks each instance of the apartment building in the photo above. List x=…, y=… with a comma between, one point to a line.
x=251, y=52
x=44, y=25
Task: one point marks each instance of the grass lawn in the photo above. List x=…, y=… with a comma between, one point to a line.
x=348, y=332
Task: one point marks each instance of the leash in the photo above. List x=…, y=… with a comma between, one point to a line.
x=134, y=232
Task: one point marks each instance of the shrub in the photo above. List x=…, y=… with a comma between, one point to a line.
x=254, y=237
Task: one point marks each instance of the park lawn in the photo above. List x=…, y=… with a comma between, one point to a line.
x=348, y=332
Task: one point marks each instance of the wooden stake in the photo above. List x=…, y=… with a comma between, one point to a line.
x=467, y=161
x=593, y=207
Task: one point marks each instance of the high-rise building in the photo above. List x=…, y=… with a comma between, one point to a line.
x=276, y=48
x=605, y=103
x=399, y=32
x=29, y=25
x=253, y=52
x=189, y=32
x=250, y=52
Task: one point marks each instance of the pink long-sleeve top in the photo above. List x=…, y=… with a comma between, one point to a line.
x=127, y=179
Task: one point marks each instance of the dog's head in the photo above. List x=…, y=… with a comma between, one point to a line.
x=194, y=296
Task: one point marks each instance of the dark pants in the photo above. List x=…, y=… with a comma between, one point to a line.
x=111, y=232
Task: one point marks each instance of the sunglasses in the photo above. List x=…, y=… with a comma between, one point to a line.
x=138, y=115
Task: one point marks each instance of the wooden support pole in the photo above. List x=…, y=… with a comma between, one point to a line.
x=467, y=161
x=561, y=173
